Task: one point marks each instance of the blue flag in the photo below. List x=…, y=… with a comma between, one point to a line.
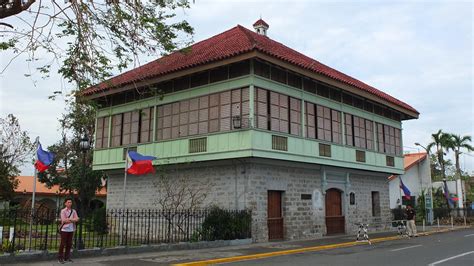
x=406, y=191
x=44, y=159
x=446, y=194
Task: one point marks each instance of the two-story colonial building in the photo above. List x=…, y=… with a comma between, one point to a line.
x=307, y=148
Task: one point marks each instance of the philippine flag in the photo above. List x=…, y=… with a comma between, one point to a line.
x=44, y=159
x=446, y=195
x=406, y=191
x=141, y=164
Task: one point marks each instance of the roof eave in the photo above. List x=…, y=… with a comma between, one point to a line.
x=355, y=90
x=408, y=114
x=171, y=75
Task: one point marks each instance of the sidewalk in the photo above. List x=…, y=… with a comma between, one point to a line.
x=227, y=253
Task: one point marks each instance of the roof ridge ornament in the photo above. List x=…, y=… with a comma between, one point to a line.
x=261, y=27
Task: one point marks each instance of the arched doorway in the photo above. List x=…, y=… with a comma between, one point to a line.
x=335, y=222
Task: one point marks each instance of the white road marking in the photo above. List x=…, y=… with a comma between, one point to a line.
x=469, y=235
x=450, y=258
x=398, y=249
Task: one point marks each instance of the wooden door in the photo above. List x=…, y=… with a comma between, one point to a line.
x=274, y=214
x=335, y=222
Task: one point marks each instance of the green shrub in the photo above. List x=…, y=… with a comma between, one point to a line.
x=226, y=225
x=420, y=208
x=99, y=221
x=7, y=247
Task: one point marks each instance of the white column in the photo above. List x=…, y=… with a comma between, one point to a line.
x=459, y=192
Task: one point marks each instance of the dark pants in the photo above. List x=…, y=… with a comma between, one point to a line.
x=66, y=242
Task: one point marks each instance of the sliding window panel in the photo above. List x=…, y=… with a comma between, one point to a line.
x=369, y=134
x=116, y=130
x=310, y=121
x=336, y=126
x=225, y=111
x=135, y=127
x=105, y=136
x=349, y=130
x=99, y=131
x=127, y=128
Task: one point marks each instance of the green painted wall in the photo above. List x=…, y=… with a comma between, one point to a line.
x=251, y=142
x=248, y=143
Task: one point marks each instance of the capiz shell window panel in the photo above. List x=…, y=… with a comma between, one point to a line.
x=202, y=115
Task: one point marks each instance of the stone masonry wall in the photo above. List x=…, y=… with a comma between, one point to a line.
x=244, y=184
x=361, y=212
x=302, y=218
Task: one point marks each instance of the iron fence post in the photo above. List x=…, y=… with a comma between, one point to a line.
x=12, y=247
x=126, y=227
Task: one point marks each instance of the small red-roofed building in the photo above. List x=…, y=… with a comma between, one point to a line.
x=417, y=178
x=48, y=197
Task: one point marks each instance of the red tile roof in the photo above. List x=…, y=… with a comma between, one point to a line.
x=230, y=43
x=261, y=22
x=25, y=185
x=410, y=160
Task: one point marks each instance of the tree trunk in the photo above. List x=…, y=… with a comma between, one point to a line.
x=458, y=167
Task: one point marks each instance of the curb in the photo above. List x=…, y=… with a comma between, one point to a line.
x=46, y=256
x=306, y=249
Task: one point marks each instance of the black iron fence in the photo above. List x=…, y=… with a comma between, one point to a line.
x=111, y=228
x=444, y=215
x=454, y=212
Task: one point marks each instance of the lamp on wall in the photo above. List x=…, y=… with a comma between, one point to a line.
x=237, y=121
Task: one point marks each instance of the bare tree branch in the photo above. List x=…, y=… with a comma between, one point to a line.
x=10, y=8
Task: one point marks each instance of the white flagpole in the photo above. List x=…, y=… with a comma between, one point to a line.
x=400, y=190
x=35, y=177
x=125, y=181
x=124, y=194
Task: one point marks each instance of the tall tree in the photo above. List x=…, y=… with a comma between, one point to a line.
x=89, y=40
x=15, y=150
x=459, y=143
x=102, y=38
x=442, y=142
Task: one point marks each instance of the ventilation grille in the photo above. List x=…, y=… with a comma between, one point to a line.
x=198, y=145
x=390, y=161
x=324, y=150
x=279, y=143
x=360, y=156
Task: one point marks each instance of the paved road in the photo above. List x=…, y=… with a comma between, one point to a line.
x=453, y=248
x=456, y=248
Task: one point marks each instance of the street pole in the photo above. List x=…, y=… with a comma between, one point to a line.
x=35, y=176
x=81, y=243
x=430, y=187
x=84, y=145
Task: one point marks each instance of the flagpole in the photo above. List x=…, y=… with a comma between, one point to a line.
x=125, y=181
x=400, y=191
x=124, y=193
x=35, y=176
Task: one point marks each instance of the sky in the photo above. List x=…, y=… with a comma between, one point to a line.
x=420, y=52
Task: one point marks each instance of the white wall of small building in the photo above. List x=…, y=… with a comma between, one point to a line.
x=416, y=179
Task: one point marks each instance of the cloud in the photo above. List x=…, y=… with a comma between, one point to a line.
x=420, y=52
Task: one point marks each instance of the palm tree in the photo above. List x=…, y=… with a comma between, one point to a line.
x=441, y=141
x=459, y=143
